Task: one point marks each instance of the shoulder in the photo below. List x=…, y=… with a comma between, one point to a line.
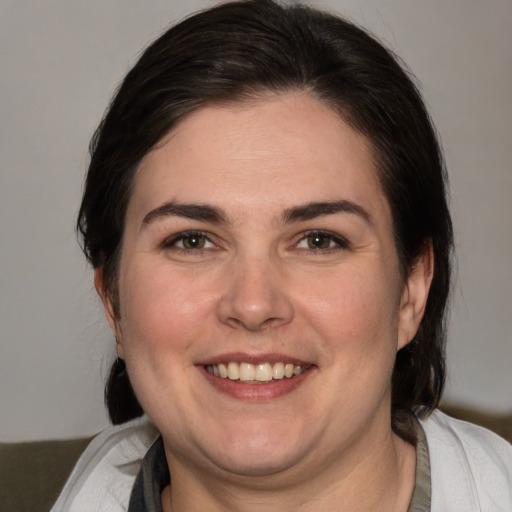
x=471, y=467
x=103, y=476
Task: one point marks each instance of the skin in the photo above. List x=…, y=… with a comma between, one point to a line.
x=258, y=288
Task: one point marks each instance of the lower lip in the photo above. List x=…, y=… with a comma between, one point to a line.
x=257, y=392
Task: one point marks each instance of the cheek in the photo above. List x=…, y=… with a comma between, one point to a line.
x=162, y=317
x=356, y=311
x=162, y=312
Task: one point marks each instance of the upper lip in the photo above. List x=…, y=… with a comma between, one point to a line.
x=243, y=357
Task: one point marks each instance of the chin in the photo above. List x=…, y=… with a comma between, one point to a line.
x=257, y=464
x=259, y=450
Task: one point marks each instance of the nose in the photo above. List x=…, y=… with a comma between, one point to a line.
x=255, y=296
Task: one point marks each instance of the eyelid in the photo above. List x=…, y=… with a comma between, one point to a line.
x=171, y=241
x=340, y=241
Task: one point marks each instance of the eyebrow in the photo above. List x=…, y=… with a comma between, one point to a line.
x=188, y=211
x=312, y=210
x=215, y=215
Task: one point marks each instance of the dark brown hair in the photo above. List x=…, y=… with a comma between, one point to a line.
x=239, y=50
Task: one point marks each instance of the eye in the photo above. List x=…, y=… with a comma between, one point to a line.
x=322, y=241
x=190, y=241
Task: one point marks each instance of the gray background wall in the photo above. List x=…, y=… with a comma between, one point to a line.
x=61, y=61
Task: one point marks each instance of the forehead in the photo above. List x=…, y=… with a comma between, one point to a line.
x=265, y=153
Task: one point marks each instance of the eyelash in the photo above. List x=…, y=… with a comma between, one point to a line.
x=188, y=235
x=339, y=241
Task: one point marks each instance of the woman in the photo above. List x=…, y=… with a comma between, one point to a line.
x=265, y=210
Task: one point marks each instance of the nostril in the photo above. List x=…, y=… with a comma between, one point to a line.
x=254, y=324
x=255, y=298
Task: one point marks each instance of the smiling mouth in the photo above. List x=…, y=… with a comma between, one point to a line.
x=261, y=373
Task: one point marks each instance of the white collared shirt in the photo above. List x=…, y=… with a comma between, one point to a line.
x=471, y=468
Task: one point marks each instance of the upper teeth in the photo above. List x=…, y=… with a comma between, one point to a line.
x=247, y=372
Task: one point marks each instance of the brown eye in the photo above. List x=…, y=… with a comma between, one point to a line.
x=319, y=241
x=193, y=241
x=322, y=241
x=189, y=241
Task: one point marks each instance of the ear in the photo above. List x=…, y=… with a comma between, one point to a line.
x=108, y=306
x=415, y=295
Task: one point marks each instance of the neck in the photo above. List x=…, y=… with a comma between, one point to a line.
x=375, y=476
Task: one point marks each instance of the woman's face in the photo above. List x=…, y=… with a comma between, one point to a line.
x=258, y=244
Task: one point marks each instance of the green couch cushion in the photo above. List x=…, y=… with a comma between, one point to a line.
x=32, y=474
